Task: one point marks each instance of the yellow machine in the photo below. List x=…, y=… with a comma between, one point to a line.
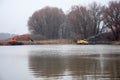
x=82, y=42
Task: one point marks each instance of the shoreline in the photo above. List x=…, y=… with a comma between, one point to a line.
x=57, y=41
x=42, y=42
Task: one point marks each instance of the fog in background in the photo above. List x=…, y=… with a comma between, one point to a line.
x=14, y=14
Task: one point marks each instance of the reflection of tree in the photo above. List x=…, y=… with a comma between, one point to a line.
x=86, y=66
x=79, y=67
x=112, y=66
x=82, y=66
x=46, y=65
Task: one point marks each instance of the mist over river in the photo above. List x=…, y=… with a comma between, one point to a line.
x=60, y=62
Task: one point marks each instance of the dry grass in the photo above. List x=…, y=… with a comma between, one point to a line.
x=63, y=41
x=58, y=41
x=116, y=42
x=3, y=42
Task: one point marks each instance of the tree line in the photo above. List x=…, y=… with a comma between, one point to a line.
x=79, y=23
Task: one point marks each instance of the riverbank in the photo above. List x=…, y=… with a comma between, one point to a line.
x=58, y=41
x=42, y=42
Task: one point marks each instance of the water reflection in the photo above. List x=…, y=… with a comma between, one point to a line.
x=46, y=65
x=78, y=67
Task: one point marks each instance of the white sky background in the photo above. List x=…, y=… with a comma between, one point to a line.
x=14, y=14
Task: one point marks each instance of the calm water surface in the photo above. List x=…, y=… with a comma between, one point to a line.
x=60, y=62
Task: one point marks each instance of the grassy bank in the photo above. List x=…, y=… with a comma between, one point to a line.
x=116, y=42
x=59, y=41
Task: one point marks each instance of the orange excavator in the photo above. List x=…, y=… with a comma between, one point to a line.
x=13, y=41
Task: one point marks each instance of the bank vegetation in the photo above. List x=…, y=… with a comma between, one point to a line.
x=80, y=22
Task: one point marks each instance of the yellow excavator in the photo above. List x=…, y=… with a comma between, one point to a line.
x=14, y=41
x=82, y=41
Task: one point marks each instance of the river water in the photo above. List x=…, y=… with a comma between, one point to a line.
x=60, y=62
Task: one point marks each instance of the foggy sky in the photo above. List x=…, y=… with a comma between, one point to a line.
x=14, y=14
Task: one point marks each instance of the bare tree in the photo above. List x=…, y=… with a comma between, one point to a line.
x=46, y=22
x=112, y=18
x=80, y=18
x=96, y=13
x=65, y=30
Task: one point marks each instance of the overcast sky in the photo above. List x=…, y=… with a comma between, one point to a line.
x=14, y=14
